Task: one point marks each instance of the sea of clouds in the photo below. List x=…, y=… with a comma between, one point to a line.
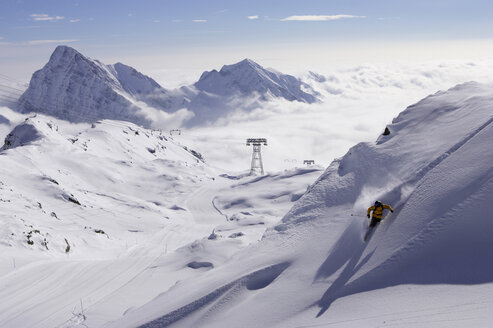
x=356, y=105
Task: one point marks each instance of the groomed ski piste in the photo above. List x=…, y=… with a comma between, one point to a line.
x=130, y=228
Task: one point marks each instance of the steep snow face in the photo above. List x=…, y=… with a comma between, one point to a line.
x=434, y=168
x=143, y=88
x=134, y=82
x=249, y=78
x=420, y=137
x=76, y=88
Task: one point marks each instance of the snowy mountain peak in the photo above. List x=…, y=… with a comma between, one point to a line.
x=242, y=65
x=247, y=78
x=64, y=52
x=79, y=89
x=69, y=60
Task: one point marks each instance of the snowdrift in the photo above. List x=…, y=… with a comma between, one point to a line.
x=434, y=168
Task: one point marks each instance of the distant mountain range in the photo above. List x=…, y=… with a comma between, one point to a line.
x=76, y=88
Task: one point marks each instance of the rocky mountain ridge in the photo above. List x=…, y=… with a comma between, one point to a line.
x=77, y=88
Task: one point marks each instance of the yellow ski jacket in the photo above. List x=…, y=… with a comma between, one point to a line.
x=378, y=211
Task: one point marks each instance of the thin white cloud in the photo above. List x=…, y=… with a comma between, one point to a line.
x=156, y=21
x=37, y=42
x=253, y=17
x=318, y=18
x=389, y=18
x=74, y=20
x=199, y=20
x=45, y=17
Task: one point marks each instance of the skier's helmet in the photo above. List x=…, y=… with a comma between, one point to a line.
x=378, y=203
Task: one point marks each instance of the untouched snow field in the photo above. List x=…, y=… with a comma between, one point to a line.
x=427, y=265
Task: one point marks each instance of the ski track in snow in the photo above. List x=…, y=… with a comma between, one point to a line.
x=201, y=203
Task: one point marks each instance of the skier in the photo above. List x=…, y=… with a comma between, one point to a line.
x=377, y=209
x=377, y=212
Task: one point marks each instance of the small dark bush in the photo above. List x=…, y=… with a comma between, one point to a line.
x=73, y=200
x=67, y=249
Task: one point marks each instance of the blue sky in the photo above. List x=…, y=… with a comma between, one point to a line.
x=207, y=32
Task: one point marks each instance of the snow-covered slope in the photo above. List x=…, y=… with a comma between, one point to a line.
x=94, y=212
x=113, y=164
x=427, y=265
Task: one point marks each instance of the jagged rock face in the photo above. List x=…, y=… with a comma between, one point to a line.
x=76, y=88
x=247, y=78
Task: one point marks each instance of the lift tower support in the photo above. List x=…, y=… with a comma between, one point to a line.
x=257, y=166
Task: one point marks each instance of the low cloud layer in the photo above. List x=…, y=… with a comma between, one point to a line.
x=357, y=104
x=46, y=17
x=36, y=42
